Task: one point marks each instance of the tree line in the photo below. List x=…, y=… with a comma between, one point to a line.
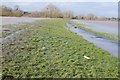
x=50, y=11
x=6, y=11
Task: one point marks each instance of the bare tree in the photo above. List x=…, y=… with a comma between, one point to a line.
x=68, y=14
x=81, y=17
x=5, y=11
x=16, y=7
x=0, y=10
x=102, y=18
x=90, y=16
x=17, y=11
x=52, y=11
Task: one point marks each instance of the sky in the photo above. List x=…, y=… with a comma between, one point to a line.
x=100, y=9
x=59, y=0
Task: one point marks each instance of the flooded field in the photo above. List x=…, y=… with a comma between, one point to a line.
x=109, y=45
x=42, y=40
x=47, y=48
x=16, y=20
x=101, y=26
x=7, y=22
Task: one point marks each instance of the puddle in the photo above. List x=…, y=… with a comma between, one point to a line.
x=10, y=37
x=109, y=45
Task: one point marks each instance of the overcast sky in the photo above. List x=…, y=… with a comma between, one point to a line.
x=107, y=9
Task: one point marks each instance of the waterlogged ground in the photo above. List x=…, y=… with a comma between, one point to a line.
x=99, y=40
x=16, y=20
x=110, y=27
x=90, y=28
x=48, y=49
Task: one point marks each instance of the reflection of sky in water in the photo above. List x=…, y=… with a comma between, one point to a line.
x=16, y=20
x=108, y=45
x=101, y=26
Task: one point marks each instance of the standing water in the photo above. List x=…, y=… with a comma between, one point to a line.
x=110, y=27
x=104, y=43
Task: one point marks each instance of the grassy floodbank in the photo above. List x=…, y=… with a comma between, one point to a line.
x=48, y=49
x=110, y=36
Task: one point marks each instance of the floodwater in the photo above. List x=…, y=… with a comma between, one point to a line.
x=10, y=37
x=101, y=26
x=16, y=20
x=102, y=42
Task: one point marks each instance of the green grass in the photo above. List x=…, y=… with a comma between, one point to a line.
x=16, y=26
x=48, y=50
x=5, y=33
x=108, y=35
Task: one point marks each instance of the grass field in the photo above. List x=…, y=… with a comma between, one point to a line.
x=48, y=49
